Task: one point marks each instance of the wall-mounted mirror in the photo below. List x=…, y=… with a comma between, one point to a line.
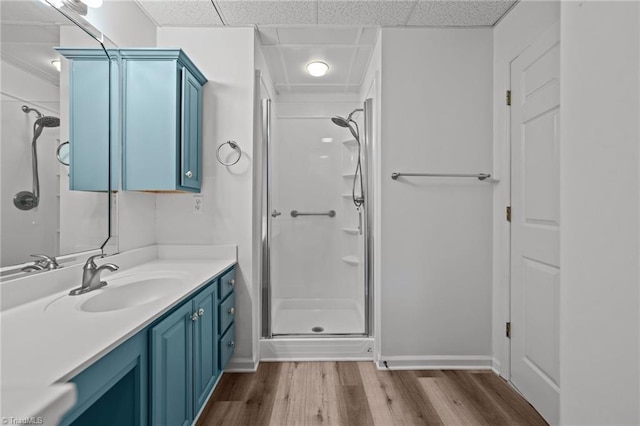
x=39, y=214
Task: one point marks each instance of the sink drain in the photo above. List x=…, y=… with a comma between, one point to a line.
x=317, y=329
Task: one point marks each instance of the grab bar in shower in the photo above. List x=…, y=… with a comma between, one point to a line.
x=479, y=176
x=296, y=213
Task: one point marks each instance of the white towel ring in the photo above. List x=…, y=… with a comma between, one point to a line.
x=233, y=146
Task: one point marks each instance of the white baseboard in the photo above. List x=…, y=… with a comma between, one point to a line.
x=444, y=362
x=495, y=366
x=241, y=365
x=317, y=349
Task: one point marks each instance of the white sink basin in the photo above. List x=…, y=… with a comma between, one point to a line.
x=126, y=291
x=129, y=295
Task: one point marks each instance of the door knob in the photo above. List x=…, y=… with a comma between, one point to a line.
x=189, y=174
x=200, y=312
x=232, y=311
x=194, y=317
x=232, y=282
x=275, y=213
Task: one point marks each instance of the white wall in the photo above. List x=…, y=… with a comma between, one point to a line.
x=436, y=234
x=511, y=36
x=226, y=57
x=33, y=231
x=600, y=195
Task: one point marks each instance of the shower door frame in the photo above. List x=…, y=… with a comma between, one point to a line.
x=265, y=246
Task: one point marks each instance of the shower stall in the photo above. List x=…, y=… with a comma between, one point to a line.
x=316, y=245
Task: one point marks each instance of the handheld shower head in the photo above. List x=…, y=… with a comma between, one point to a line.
x=340, y=121
x=47, y=121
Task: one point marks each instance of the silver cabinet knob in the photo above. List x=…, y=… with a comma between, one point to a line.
x=232, y=344
x=200, y=312
x=232, y=283
x=232, y=311
x=194, y=316
x=189, y=174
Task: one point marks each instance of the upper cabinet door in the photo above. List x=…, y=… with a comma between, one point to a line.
x=191, y=138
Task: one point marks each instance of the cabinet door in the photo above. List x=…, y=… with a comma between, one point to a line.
x=89, y=130
x=172, y=369
x=205, y=351
x=191, y=134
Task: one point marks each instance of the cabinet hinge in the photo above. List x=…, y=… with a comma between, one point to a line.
x=508, y=213
x=508, y=330
x=508, y=97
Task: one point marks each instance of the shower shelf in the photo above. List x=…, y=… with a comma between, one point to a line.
x=351, y=260
x=350, y=142
x=353, y=231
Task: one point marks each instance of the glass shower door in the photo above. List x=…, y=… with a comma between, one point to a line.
x=316, y=244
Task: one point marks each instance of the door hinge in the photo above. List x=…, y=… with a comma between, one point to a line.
x=508, y=330
x=508, y=97
x=508, y=213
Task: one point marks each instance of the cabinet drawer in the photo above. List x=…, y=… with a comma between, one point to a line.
x=227, y=283
x=227, y=345
x=227, y=313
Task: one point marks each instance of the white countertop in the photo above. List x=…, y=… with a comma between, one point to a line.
x=47, y=341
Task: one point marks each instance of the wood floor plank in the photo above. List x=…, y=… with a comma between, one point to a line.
x=451, y=404
x=259, y=401
x=357, y=393
x=227, y=413
x=478, y=399
x=380, y=404
x=515, y=407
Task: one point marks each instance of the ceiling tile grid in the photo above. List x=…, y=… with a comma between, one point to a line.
x=458, y=13
x=264, y=12
x=188, y=13
x=364, y=12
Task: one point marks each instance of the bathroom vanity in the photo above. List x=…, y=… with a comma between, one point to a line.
x=148, y=348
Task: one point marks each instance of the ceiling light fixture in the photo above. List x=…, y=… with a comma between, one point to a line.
x=317, y=68
x=56, y=64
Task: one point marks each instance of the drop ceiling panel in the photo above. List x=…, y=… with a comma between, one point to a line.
x=268, y=12
x=190, y=13
x=458, y=13
x=318, y=35
x=390, y=12
x=338, y=59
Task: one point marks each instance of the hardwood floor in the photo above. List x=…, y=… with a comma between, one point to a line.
x=356, y=393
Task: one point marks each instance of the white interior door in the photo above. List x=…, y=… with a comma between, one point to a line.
x=535, y=226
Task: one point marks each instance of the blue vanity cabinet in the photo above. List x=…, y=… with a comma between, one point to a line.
x=184, y=359
x=172, y=368
x=113, y=391
x=162, y=120
x=205, y=346
x=90, y=90
x=226, y=320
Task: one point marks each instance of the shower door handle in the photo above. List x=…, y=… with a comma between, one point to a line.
x=275, y=213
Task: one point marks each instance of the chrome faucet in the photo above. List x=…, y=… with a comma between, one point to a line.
x=91, y=276
x=44, y=263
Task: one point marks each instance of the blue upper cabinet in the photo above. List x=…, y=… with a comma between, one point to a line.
x=89, y=102
x=161, y=120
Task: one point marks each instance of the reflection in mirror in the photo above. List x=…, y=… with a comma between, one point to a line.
x=39, y=214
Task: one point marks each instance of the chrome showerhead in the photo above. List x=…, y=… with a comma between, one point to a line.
x=340, y=121
x=47, y=121
x=27, y=110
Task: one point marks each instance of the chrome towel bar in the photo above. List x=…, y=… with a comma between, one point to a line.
x=479, y=176
x=296, y=213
